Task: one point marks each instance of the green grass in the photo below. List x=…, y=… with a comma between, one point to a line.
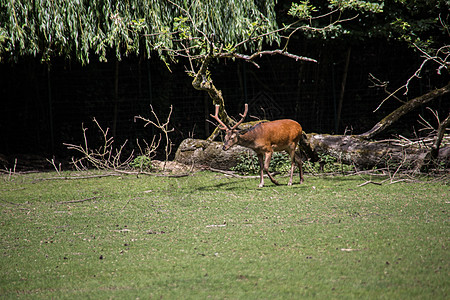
x=209, y=236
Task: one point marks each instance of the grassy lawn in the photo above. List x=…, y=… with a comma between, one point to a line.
x=210, y=236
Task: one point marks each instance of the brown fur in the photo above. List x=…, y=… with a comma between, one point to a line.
x=266, y=138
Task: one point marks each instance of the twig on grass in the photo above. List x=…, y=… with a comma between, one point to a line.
x=349, y=250
x=11, y=203
x=152, y=174
x=126, y=204
x=76, y=177
x=78, y=201
x=118, y=173
x=369, y=181
x=229, y=173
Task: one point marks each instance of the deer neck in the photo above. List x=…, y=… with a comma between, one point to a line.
x=246, y=139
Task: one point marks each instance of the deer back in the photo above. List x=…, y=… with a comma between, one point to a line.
x=275, y=135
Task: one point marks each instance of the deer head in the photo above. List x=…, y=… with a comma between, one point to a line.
x=231, y=133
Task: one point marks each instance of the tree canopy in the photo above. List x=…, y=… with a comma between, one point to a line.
x=76, y=29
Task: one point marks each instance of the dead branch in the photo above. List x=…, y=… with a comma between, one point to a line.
x=76, y=177
x=443, y=62
x=53, y=163
x=262, y=53
x=383, y=84
x=368, y=182
x=106, y=157
x=78, y=201
x=164, y=127
x=149, y=150
x=440, y=135
x=402, y=110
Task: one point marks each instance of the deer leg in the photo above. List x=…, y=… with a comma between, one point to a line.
x=292, y=156
x=268, y=157
x=298, y=159
x=261, y=169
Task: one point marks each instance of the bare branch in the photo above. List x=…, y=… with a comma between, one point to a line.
x=266, y=52
x=443, y=63
x=383, y=84
x=105, y=157
x=164, y=127
x=405, y=108
x=78, y=201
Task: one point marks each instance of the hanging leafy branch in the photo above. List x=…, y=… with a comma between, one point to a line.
x=77, y=29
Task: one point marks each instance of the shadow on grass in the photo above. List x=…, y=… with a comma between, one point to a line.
x=247, y=184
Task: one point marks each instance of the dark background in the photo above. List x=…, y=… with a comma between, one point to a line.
x=44, y=106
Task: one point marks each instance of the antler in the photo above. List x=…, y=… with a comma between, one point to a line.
x=222, y=124
x=216, y=117
x=242, y=117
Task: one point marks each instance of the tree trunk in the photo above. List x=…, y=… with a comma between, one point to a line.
x=203, y=83
x=440, y=135
x=434, y=158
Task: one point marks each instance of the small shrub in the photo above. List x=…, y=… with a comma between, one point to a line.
x=327, y=164
x=280, y=162
x=142, y=162
x=248, y=164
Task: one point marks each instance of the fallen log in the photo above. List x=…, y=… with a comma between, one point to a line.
x=354, y=150
x=201, y=153
x=347, y=149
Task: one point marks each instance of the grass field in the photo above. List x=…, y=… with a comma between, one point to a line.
x=209, y=236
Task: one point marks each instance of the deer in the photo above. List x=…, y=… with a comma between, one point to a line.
x=265, y=138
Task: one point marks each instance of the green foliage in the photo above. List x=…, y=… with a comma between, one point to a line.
x=410, y=31
x=417, y=21
x=142, y=162
x=76, y=29
x=358, y=5
x=327, y=164
x=209, y=236
x=311, y=16
x=280, y=162
x=302, y=10
x=248, y=164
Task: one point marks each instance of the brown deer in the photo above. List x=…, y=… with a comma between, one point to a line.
x=264, y=138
